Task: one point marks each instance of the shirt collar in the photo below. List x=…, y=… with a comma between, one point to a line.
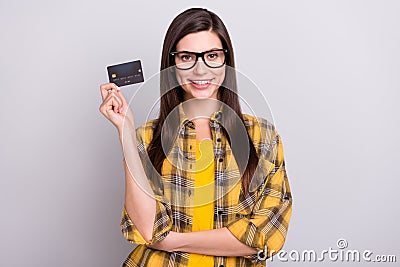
x=184, y=120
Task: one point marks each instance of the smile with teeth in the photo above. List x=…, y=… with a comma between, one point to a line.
x=201, y=84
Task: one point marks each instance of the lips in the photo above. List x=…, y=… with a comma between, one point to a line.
x=201, y=84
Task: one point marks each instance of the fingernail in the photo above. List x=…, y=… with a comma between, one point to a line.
x=120, y=110
x=118, y=88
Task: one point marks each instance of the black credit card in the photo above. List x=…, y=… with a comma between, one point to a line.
x=126, y=73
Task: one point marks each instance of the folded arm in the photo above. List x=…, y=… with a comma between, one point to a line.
x=264, y=229
x=217, y=242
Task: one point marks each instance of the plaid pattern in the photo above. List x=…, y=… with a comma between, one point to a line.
x=259, y=220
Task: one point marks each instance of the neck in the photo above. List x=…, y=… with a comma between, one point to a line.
x=200, y=108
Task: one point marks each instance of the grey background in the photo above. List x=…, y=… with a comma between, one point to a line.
x=329, y=69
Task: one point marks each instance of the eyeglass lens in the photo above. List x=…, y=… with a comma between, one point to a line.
x=186, y=60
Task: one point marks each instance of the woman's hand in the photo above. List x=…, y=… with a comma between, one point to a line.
x=169, y=244
x=114, y=107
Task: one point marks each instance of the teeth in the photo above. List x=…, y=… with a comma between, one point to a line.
x=201, y=82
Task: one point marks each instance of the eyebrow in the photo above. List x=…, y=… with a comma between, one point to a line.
x=200, y=52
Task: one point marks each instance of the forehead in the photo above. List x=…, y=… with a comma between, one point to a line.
x=199, y=42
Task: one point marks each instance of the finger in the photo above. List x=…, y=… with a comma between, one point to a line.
x=108, y=104
x=124, y=104
x=112, y=105
x=104, y=89
x=115, y=97
x=112, y=116
x=125, y=109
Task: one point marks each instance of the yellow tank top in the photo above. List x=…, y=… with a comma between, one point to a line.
x=203, y=211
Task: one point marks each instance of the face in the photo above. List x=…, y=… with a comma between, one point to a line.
x=200, y=81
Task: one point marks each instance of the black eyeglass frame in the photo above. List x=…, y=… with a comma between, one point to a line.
x=200, y=54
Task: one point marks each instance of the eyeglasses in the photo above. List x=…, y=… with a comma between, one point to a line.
x=214, y=58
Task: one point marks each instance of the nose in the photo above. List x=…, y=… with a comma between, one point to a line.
x=200, y=67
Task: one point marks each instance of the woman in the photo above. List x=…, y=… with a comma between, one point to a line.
x=195, y=196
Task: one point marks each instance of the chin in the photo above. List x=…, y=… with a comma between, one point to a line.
x=202, y=94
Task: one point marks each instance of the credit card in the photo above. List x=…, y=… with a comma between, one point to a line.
x=126, y=73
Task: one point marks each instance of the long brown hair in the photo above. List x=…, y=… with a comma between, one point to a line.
x=190, y=21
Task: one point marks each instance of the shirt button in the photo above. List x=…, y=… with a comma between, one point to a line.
x=219, y=212
x=221, y=265
x=190, y=147
x=218, y=139
x=221, y=160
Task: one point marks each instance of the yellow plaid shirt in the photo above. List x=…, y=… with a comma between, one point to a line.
x=259, y=220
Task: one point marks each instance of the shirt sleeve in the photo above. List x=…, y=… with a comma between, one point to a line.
x=163, y=218
x=266, y=227
x=162, y=225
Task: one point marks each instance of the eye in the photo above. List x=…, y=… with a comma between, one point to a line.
x=212, y=56
x=185, y=57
